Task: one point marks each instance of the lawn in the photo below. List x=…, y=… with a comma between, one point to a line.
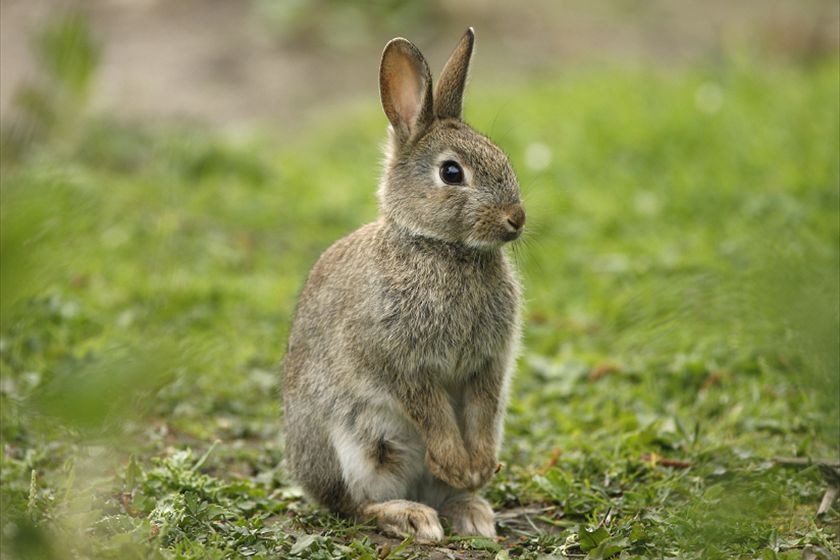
x=680, y=379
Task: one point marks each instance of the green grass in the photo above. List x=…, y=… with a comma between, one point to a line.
x=681, y=274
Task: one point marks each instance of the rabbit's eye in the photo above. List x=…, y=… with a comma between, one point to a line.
x=451, y=173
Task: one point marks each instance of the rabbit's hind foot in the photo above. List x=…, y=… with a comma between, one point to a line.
x=403, y=518
x=469, y=515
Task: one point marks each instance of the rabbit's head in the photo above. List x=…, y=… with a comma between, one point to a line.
x=442, y=179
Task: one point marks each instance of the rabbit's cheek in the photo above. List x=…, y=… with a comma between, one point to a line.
x=494, y=226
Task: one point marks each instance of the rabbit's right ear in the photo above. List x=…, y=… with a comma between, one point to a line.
x=405, y=86
x=449, y=94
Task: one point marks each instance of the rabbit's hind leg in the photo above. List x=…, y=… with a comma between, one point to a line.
x=378, y=462
x=381, y=463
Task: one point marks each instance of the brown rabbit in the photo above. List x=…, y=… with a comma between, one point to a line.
x=406, y=331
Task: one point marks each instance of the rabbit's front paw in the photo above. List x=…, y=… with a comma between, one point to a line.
x=451, y=465
x=483, y=467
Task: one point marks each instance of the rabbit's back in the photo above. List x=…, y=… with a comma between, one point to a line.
x=331, y=297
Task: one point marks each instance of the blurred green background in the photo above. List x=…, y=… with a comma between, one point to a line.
x=171, y=170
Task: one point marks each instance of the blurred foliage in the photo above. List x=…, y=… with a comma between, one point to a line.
x=682, y=321
x=67, y=55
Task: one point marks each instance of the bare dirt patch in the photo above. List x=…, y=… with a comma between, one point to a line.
x=224, y=63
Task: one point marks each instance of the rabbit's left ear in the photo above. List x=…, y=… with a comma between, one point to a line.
x=405, y=86
x=449, y=93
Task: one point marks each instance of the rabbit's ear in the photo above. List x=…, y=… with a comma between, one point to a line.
x=405, y=86
x=449, y=94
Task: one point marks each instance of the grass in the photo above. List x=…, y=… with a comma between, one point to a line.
x=681, y=273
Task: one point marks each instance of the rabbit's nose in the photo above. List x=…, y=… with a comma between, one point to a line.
x=515, y=218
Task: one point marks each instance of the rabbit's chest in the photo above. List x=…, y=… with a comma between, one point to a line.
x=450, y=323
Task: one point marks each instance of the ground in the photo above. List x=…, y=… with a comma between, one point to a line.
x=677, y=396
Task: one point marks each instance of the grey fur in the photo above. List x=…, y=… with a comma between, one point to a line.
x=406, y=330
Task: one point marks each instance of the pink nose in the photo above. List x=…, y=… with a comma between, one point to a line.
x=516, y=217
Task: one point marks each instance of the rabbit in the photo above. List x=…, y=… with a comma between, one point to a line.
x=406, y=331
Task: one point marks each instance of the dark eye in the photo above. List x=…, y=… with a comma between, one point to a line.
x=451, y=173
